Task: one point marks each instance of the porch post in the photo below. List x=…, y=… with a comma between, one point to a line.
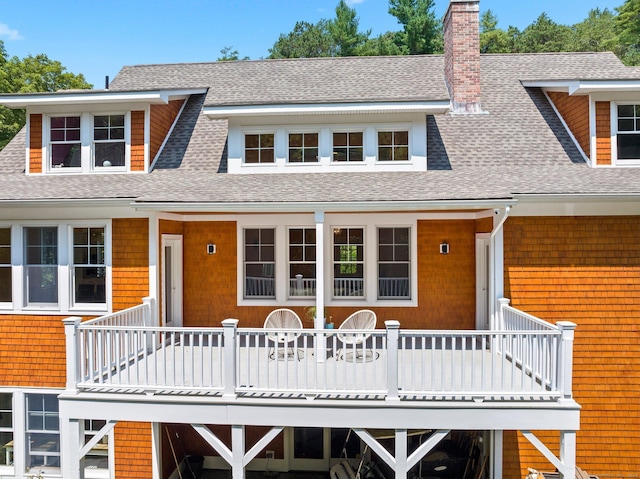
x=71, y=442
x=393, y=334
x=566, y=358
x=401, y=454
x=229, y=326
x=497, y=450
x=156, y=450
x=73, y=352
x=567, y=454
x=499, y=324
x=237, y=452
x=319, y=321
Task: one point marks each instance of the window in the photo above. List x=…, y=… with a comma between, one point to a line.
x=302, y=262
x=89, y=281
x=348, y=146
x=259, y=263
x=43, y=431
x=628, y=136
x=393, y=145
x=303, y=147
x=41, y=265
x=108, y=140
x=393, y=263
x=6, y=429
x=5, y=265
x=65, y=142
x=98, y=456
x=348, y=262
x=259, y=148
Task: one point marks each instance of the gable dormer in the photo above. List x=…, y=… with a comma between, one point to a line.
x=93, y=132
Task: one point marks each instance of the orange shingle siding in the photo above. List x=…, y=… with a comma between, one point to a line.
x=575, y=112
x=137, y=141
x=133, y=459
x=210, y=291
x=32, y=351
x=603, y=133
x=130, y=262
x=586, y=270
x=162, y=117
x=35, y=143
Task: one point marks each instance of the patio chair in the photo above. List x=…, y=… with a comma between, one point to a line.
x=283, y=319
x=363, y=319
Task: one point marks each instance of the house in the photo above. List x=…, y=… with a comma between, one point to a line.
x=147, y=230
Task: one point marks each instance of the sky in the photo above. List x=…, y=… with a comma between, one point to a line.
x=98, y=37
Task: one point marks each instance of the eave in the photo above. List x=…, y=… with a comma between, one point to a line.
x=585, y=87
x=77, y=97
x=426, y=107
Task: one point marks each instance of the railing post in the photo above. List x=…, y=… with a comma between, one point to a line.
x=393, y=335
x=229, y=327
x=73, y=352
x=565, y=362
x=502, y=302
x=149, y=313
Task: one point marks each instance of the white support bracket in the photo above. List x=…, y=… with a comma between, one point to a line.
x=544, y=450
x=106, y=429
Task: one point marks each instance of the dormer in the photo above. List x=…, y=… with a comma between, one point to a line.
x=96, y=131
x=603, y=116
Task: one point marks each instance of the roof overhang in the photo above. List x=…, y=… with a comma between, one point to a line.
x=77, y=97
x=305, y=207
x=585, y=87
x=426, y=107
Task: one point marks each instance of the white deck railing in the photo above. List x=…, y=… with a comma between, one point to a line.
x=515, y=362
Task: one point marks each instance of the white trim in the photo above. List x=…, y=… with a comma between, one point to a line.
x=426, y=107
x=582, y=87
x=176, y=244
x=585, y=157
x=614, y=135
x=147, y=136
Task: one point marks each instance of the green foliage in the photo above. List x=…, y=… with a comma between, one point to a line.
x=544, y=35
x=229, y=55
x=627, y=26
x=31, y=74
x=307, y=40
x=596, y=33
x=420, y=26
x=344, y=31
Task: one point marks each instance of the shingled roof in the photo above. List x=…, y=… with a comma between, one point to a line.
x=519, y=146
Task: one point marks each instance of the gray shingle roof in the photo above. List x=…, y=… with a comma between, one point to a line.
x=518, y=147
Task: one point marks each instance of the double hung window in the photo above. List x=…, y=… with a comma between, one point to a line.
x=89, y=269
x=65, y=142
x=394, y=267
x=628, y=132
x=6, y=429
x=41, y=264
x=108, y=140
x=302, y=262
x=393, y=145
x=348, y=147
x=43, y=431
x=259, y=263
x=5, y=266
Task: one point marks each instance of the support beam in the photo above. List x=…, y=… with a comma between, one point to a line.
x=237, y=452
x=544, y=450
x=401, y=454
x=71, y=441
x=376, y=447
x=261, y=444
x=568, y=454
x=97, y=437
x=426, y=447
x=214, y=442
x=497, y=448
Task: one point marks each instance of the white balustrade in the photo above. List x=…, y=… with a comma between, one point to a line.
x=348, y=287
x=255, y=287
x=122, y=352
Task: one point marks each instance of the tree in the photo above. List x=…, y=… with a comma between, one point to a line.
x=344, y=31
x=307, y=40
x=596, y=33
x=31, y=74
x=420, y=26
x=493, y=39
x=388, y=43
x=229, y=55
x=544, y=35
x=628, y=31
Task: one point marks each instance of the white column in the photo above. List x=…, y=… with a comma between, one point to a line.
x=497, y=448
x=401, y=454
x=154, y=242
x=566, y=358
x=393, y=329
x=156, y=450
x=237, y=452
x=72, y=351
x=318, y=323
x=229, y=326
x=568, y=454
x=71, y=442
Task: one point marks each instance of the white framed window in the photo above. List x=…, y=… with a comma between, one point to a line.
x=259, y=148
x=88, y=265
x=348, y=146
x=97, y=459
x=42, y=432
x=41, y=265
x=6, y=429
x=259, y=263
x=6, y=277
x=302, y=262
x=348, y=262
x=87, y=142
x=303, y=148
x=393, y=145
x=394, y=263
x=627, y=133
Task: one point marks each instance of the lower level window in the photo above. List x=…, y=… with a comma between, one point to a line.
x=43, y=431
x=6, y=429
x=393, y=263
x=89, y=271
x=348, y=262
x=5, y=265
x=259, y=263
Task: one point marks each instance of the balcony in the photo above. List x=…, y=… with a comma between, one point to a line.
x=522, y=359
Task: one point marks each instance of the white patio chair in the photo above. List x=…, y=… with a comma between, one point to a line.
x=363, y=319
x=283, y=319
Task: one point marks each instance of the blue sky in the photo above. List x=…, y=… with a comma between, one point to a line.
x=97, y=38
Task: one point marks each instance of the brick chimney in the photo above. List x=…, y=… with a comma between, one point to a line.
x=462, y=55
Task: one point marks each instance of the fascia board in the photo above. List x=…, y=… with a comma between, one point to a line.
x=584, y=87
x=93, y=97
x=430, y=107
